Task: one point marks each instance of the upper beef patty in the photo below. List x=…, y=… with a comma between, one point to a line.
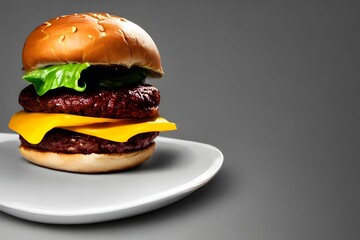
x=131, y=101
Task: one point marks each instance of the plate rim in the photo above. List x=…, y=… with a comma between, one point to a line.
x=174, y=192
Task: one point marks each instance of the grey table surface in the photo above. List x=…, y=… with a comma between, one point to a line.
x=273, y=84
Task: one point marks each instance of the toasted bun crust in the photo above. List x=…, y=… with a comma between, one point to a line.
x=87, y=163
x=98, y=38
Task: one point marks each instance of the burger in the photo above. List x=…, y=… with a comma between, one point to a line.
x=87, y=108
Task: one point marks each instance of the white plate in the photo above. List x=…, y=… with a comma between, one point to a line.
x=177, y=168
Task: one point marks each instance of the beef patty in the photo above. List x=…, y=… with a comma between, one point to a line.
x=64, y=141
x=131, y=101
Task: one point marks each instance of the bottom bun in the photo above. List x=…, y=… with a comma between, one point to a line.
x=87, y=163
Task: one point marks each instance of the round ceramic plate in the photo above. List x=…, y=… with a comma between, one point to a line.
x=177, y=168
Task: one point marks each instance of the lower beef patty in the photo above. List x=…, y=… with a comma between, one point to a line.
x=132, y=101
x=64, y=141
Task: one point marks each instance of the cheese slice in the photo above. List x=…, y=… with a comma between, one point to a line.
x=33, y=126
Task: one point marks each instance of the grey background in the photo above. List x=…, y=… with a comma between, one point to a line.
x=273, y=84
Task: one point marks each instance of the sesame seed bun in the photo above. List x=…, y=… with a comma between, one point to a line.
x=97, y=38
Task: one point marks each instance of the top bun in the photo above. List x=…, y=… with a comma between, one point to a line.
x=97, y=38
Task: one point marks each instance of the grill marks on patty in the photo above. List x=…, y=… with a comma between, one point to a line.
x=131, y=101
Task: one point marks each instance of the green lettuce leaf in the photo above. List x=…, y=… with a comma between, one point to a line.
x=51, y=77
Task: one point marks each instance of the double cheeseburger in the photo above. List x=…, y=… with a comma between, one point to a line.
x=87, y=108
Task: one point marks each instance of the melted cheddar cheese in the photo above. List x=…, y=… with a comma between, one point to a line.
x=33, y=126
